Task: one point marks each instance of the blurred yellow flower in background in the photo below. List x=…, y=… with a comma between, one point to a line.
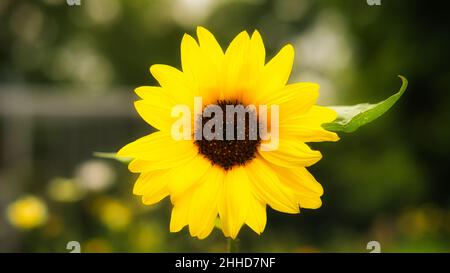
x=232, y=179
x=27, y=212
x=147, y=236
x=114, y=214
x=420, y=221
x=64, y=190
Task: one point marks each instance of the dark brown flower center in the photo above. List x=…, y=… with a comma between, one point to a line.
x=242, y=147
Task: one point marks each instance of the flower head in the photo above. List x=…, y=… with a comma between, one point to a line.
x=27, y=212
x=213, y=167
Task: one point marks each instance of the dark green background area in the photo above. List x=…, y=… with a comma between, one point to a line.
x=67, y=76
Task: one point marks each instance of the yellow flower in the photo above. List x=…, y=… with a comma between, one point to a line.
x=230, y=179
x=27, y=212
x=114, y=214
x=64, y=190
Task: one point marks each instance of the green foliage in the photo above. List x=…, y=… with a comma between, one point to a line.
x=125, y=160
x=350, y=118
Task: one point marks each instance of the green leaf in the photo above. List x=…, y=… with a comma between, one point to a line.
x=114, y=156
x=350, y=118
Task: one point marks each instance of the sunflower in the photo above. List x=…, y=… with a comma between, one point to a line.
x=229, y=180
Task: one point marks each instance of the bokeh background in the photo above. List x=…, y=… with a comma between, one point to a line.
x=67, y=75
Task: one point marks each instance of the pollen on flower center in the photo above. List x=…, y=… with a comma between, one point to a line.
x=229, y=153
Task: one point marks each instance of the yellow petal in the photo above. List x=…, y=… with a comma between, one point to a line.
x=155, y=114
x=208, y=228
x=144, y=180
x=304, y=186
x=234, y=60
x=252, y=69
x=159, y=146
x=257, y=46
x=308, y=126
x=156, y=108
x=183, y=177
x=150, y=92
x=315, y=116
x=138, y=165
x=293, y=99
x=200, y=68
x=256, y=218
x=176, y=85
x=268, y=187
x=277, y=71
x=299, y=180
x=309, y=202
x=234, y=201
x=210, y=46
x=157, y=105
x=190, y=55
x=203, y=210
x=180, y=213
x=308, y=134
x=152, y=186
x=223, y=228
x=291, y=154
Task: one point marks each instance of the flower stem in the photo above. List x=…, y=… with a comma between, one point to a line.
x=232, y=245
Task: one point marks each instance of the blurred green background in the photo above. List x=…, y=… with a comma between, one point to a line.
x=66, y=80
